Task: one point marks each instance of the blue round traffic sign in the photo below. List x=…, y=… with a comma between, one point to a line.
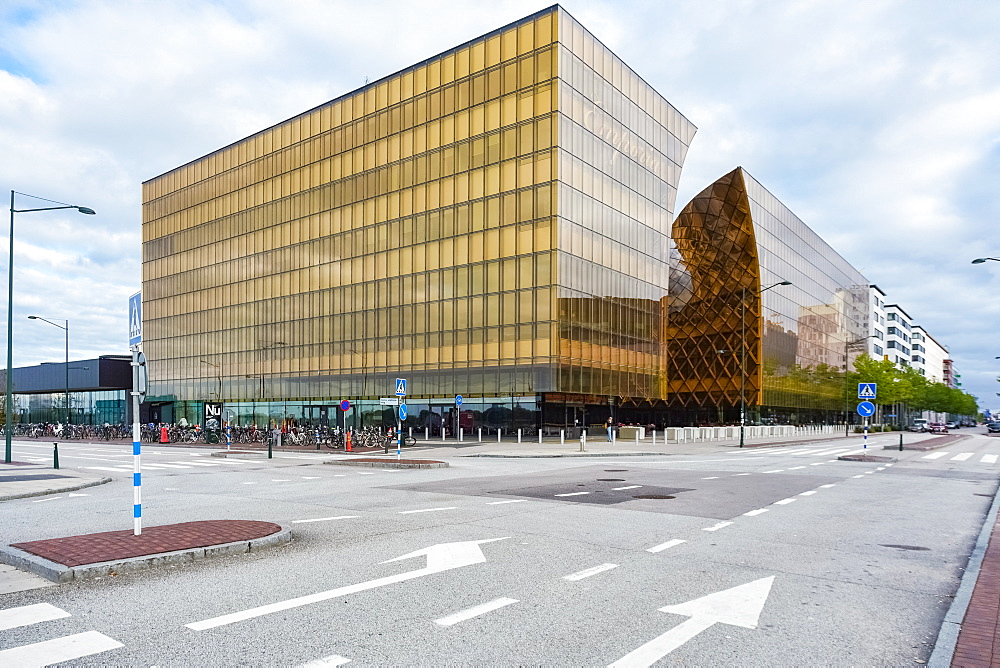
x=345, y=405
x=402, y=411
x=866, y=409
x=458, y=399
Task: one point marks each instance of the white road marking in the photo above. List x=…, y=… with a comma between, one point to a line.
x=72, y=494
x=573, y=494
x=988, y=459
x=26, y=615
x=339, y=475
x=579, y=575
x=817, y=463
x=366, y=473
x=869, y=472
x=888, y=465
x=280, y=480
x=860, y=475
x=249, y=483
x=666, y=546
x=827, y=486
x=618, y=489
x=200, y=463
x=106, y=468
x=775, y=471
x=499, y=503
x=326, y=662
x=174, y=466
x=716, y=527
x=327, y=519
x=426, y=510
x=739, y=474
x=463, y=615
x=58, y=650
x=711, y=477
x=961, y=457
x=784, y=502
x=809, y=493
x=310, y=477
x=934, y=455
x=51, y=498
x=795, y=468
x=759, y=511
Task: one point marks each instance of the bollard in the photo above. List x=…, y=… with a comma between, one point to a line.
x=480, y=434
x=583, y=440
x=539, y=437
x=866, y=435
x=461, y=434
x=562, y=437
x=411, y=432
x=900, y=442
x=637, y=438
x=270, y=443
x=518, y=435
x=498, y=434
x=654, y=437
x=427, y=433
x=55, y=455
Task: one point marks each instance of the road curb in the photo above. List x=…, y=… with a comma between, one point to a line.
x=60, y=490
x=944, y=646
x=59, y=573
x=573, y=454
x=391, y=463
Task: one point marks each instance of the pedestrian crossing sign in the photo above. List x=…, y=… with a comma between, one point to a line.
x=400, y=387
x=867, y=390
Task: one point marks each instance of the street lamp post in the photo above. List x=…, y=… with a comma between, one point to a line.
x=980, y=260
x=743, y=356
x=9, y=405
x=69, y=416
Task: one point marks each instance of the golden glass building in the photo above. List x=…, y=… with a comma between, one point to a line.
x=492, y=222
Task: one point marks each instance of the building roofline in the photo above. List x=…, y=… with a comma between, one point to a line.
x=900, y=309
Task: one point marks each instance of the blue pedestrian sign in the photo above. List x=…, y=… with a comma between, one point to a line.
x=867, y=390
x=135, y=320
x=400, y=387
x=458, y=399
x=866, y=409
x=402, y=412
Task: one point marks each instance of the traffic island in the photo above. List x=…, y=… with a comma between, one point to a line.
x=113, y=552
x=930, y=443
x=875, y=459
x=382, y=463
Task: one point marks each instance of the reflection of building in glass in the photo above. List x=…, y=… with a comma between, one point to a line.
x=492, y=222
x=734, y=240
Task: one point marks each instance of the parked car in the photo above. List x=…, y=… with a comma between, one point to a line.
x=952, y=425
x=938, y=428
x=993, y=428
x=919, y=425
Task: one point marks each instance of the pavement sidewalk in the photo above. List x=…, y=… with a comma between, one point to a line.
x=19, y=480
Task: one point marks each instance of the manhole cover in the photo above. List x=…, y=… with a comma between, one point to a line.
x=907, y=547
x=611, y=480
x=615, y=470
x=653, y=496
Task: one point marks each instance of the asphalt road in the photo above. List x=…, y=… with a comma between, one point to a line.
x=530, y=561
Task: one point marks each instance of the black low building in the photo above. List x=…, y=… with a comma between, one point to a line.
x=98, y=391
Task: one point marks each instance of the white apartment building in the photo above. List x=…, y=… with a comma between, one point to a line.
x=875, y=345
x=898, y=335
x=927, y=355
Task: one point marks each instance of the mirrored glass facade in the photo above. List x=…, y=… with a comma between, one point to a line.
x=492, y=222
x=733, y=330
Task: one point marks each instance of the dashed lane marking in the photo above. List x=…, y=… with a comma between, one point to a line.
x=327, y=519
x=775, y=471
x=665, y=546
x=796, y=468
x=58, y=650
x=476, y=611
x=618, y=489
x=809, y=493
x=784, y=502
x=759, y=511
x=326, y=662
x=739, y=474
x=860, y=475
x=827, y=486
x=51, y=498
x=586, y=573
x=426, y=510
x=716, y=527
x=711, y=477
x=499, y=503
x=573, y=494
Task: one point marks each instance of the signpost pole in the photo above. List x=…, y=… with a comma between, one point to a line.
x=136, y=449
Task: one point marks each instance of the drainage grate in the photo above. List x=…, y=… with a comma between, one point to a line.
x=907, y=547
x=653, y=496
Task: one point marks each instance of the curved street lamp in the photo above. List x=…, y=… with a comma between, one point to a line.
x=743, y=355
x=980, y=260
x=9, y=405
x=65, y=328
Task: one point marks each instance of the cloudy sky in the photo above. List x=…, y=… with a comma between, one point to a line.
x=876, y=121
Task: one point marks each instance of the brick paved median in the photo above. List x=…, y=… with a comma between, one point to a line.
x=116, y=545
x=978, y=641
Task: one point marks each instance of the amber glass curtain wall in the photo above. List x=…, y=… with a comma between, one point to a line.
x=494, y=220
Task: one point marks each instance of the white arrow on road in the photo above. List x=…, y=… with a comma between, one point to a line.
x=442, y=557
x=739, y=606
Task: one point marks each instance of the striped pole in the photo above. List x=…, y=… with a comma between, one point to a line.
x=136, y=450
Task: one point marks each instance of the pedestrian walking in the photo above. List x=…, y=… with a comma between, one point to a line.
x=610, y=426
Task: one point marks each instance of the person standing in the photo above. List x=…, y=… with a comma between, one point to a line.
x=610, y=426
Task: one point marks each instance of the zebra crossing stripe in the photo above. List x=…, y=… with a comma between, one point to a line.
x=961, y=457
x=26, y=615
x=58, y=650
x=988, y=459
x=934, y=455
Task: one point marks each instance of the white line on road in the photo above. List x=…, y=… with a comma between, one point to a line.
x=173, y=466
x=716, y=527
x=860, y=475
x=775, y=471
x=809, y=493
x=988, y=459
x=190, y=463
x=30, y=614
x=573, y=494
x=310, y=477
x=934, y=455
x=500, y=503
x=58, y=650
x=711, y=477
x=961, y=457
x=249, y=483
x=326, y=662
x=327, y=519
x=366, y=473
x=463, y=615
x=795, y=468
x=665, y=546
x=618, y=489
x=579, y=575
x=280, y=480
x=759, y=511
x=739, y=474
x=51, y=498
x=106, y=468
x=817, y=463
x=827, y=486
x=426, y=510
x=784, y=502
